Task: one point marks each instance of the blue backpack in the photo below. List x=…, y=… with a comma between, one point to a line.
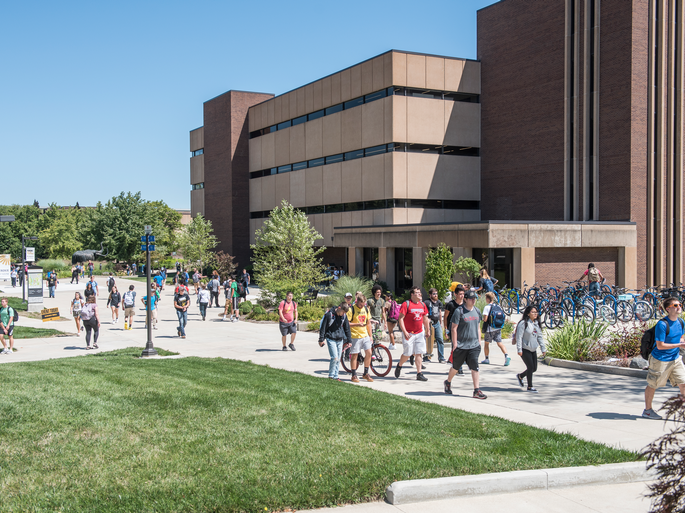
x=497, y=317
x=488, y=286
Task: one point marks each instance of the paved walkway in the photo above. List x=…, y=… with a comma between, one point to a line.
x=593, y=406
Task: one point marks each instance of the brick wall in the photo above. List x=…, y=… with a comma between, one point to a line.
x=556, y=265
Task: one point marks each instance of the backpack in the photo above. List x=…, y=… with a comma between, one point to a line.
x=129, y=299
x=111, y=282
x=87, y=312
x=648, y=341
x=593, y=274
x=241, y=289
x=330, y=321
x=488, y=286
x=394, y=311
x=497, y=317
x=14, y=313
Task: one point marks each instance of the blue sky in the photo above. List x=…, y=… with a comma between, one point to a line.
x=98, y=97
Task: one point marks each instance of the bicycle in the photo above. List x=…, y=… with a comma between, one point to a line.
x=381, y=358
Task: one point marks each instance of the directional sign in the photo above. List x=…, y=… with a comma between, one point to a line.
x=49, y=314
x=143, y=238
x=152, y=247
x=151, y=238
x=144, y=247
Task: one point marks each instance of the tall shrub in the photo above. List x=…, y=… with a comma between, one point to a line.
x=440, y=267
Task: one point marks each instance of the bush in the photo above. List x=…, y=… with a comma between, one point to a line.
x=348, y=283
x=258, y=310
x=307, y=313
x=576, y=342
x=245, y=308
x=507, y=330
x=626, y=340
x=54, y=265
x=314, y=326
x=270, y=316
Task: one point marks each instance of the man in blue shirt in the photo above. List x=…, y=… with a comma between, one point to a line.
x=153, y=309
x=665, y=362
x=94, y=284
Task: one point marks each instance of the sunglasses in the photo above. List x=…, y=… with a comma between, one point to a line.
x=675, y=305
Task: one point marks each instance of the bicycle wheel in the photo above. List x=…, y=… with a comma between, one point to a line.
x=585, y=313
x=624, y=312
x=505, y=304
x=553, y=317
x=607, y=314
x=523, y=303
x=643, y=311
x=381, y=360
x=609, y=300
x=345, y=360
x=567, y=305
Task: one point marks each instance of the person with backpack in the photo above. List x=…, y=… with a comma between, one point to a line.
x=113, y=301
x=661, y=344
x=435, y=307
x=91, y=321
x=528, y=336
x=236, y=286
x=487, y=284
x=110, y=282
x=75, y=308
x=52, y=283
x=494, y=319
x=414, y=324
x=129, y=300
x=458, y=292
x=392, y=315
x=335, y=329
x=594, y=278
x=376, y=305
x=8, y=316
x=359, y=318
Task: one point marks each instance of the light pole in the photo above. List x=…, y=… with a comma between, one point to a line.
x=25, y=281
x=149, y=240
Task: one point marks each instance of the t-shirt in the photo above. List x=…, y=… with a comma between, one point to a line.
x=94, y=284
x=287, y=310
x=376, y=308
x=52, y=280
x=234, y=288
x=159, y=280
x=203, y=296
x=182, y=299
x=675, y=331
x=468, y=324
x=413, y=316
x=7, y=316
x=354, y=314
x=434, y=308
x=153, y=305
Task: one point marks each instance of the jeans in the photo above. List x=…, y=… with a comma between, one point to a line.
x=335, y=350
x=14, y=282
x=594, y=288
x=182, y=321
x=439, y=340
x=52, y=291
x=215, y=297
x=203, y=310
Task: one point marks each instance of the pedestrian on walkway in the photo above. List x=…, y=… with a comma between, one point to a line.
x=435, y=309
x=245, y=277
x=235, y=300
x=213, y=286
x=376, y=306
x=181, y=303
x=287, y=320
x=392, y=315
x=6, y=326
x=94, y=285
x=360, y=328
x=89, y=290
x=196, y=281
x=110, y=282
x=129, y=300
x=113, y=301
x=491, y=313
x=414, y=324
x=466, y=338
x=74, y=274
x=665, y=362
x=203, y=299
x=335, y=330
x=458, y=293
x=13, y=276
x=153, y=309
x=75, y=308
x=528, y=339
x=91, y=321
x=52, y=283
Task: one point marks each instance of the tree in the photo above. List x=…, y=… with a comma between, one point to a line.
x=224, y=264
x=440, y=268
x=196, y=242
x=468, y=267
x=285, y=258
x=61, y=237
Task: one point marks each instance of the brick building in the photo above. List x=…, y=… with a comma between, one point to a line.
x=561, y=145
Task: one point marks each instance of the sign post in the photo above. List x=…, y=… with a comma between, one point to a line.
x=148, y=241
x=24, y=258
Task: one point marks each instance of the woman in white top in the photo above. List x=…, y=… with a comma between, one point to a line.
x=203, y=299
x=75, y=309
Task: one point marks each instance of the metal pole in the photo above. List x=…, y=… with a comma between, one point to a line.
x=23, y=272
x=149, y=347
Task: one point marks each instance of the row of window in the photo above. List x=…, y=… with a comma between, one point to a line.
x=368, y=98
x=197, y=152
x=378, y=204
x=464, y=151
x=197, y=186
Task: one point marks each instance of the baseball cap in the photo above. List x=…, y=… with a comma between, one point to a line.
x=471, y=295
x=349, y=294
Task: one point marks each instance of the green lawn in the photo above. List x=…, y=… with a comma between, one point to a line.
x=28, y=332
x=109, y=432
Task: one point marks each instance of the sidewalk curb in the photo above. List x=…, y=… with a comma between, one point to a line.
x=421, y=490
x=604, y=369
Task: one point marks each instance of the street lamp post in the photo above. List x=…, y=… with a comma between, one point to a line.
x=25, y=282
x=149, y=241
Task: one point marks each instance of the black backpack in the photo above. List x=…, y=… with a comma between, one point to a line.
x=241, y=289
x=648, y=340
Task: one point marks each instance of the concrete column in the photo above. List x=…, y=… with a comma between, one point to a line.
x=351, y=260
x=524, y=266
x=626, y=275
x=386, y=266
x=461, y=252
x=358, y=261
x=419, y=266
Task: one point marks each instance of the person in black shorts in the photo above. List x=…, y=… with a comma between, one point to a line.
x=466, y=338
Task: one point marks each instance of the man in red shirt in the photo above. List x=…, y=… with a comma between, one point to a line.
x=414, y=324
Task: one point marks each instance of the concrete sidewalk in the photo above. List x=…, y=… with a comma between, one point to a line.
x=595, y=407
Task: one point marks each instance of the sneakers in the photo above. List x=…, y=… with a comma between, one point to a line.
x=178, y=331
x=507, y=361
x=533, y=389
x=224, y=318
x=398, y=370
x=477, y=394
x=235, y=319
x=5, y=351
x=460, y=371
x=95, y=346
x=368, y=378
x=391, y=347
x=421, y=377
x=285, y=348
x=651, y=414
x=291, y=345
x=355, y=379
x=486, y=361
x=427, y=357
x=411, y=361
x=448, y=387
x=520, y=380
x=442, y=360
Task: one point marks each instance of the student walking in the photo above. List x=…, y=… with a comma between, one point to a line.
x=13, y=276
x=287, y=320
x=414, y=324
x=6, y=326
x=52, y=283
x=435, y=307
x=214, y=286
x=75, y=308
x=493, y=320
x=129, y=300
x=203, y=299
x=487, y=284
x=89, y=290
x=360, y=326
x=594, y=278
x=335, y=330
x=91, y=321
x=665, y=362
x=392, y=314
x=113, y=301
x=153, y=308
x=528, y=339
x=181, y=303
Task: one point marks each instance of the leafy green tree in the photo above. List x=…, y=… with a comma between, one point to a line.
x=285, y=258
x=440, y=268
x=468, y=267
x=61, y=237
x=196, y=242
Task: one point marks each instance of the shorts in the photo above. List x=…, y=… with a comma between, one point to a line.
x=470, y=356
x=287, y=328
x=360, y=343
x=77, y=314
x=236, y=302
x=415, y=344
x=129, y=311
x=660, y=372
x=493, y=336
x=10, y=330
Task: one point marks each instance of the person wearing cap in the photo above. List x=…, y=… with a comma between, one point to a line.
x=457, y=301
x=348, y=299
x=466, y=338
x=414, y=324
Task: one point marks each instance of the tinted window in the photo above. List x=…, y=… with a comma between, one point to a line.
x=396, y=147
x=299, y=165
x=299, y=120
x=376, y=150
x=356, y=154
x=338, y=207
x=334, y=109
x=374, y=96
x=316, y=162
x=354, y=103
x=285, y=169
x=349, y=207
x=285, y=124
x=315, y=210
x=334, y=158
x=372, y=205
x=315, y=115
